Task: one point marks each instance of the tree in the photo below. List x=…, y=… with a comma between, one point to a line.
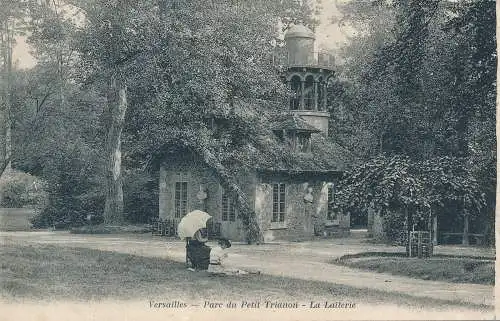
x=211, y=65
x=386, y=64
x=60, y=145
x=12, y=19
x=475, y=96
x=421, y=77
x=109, y=44
x=54, y=120
x=419, y=189
x=171, y=75
x=422, y=82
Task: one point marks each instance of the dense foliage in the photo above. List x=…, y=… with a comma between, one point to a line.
x=119, y=85
x=18, y=189
x=403, y=189
x=139, y=80
x=419, y=84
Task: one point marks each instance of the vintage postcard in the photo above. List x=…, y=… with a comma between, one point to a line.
x=248, y=160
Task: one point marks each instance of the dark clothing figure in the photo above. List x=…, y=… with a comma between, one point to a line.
x=198, y=254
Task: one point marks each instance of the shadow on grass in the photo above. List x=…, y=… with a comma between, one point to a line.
x=403, y=254
x=439, y=267
x=47, y=272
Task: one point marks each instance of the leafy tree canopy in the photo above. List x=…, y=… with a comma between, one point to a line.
x=396, y=182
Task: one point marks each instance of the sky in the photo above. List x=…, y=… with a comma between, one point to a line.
x=328, y=37
x=21, y=54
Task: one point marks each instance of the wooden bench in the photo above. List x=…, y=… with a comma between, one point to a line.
x=156, y=226
x=478, y=238
x=214, y=229
x=166, y=227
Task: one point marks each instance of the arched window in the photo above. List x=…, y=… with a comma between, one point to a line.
x=321, y=92
x=296, y=87
x=309, y=93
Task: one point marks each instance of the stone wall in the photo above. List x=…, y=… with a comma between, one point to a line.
x=375, y=225
x=301, y=217
x=298, y=222
x=300, y=51
x=198, y=176
x=318, y=119
x=340, y=225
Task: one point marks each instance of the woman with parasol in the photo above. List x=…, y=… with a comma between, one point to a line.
x=192, y=228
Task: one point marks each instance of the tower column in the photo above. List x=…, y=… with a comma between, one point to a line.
x=324, y=93
x=315, y=95
x=302, y=92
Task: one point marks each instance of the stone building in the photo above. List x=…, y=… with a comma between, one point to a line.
x=292, y=200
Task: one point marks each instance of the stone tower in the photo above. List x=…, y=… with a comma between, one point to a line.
x=307, y=75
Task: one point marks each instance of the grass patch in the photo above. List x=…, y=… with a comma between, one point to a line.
x=47, y=272
x=403, y=254
x=111, y=229
x=466, y=269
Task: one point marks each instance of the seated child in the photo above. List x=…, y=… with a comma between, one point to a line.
x=217, y=258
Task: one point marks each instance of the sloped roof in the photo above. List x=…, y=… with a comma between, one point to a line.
x=294, y=122
x=324, y=156
x=274, y=155
x=267, y=152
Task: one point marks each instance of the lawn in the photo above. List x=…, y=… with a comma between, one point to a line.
x=47, y=273
x=441, y=268
x=110, y=229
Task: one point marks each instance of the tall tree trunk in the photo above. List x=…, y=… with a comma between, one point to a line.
x=117, y=104
x=8, y=142
x=7, y=37
x=465, y=237
x=381, y=143
x=60, y=60
x=407, y=234
x=435, y=229
x=60, y=71
x=7, y=41
x=3, y=166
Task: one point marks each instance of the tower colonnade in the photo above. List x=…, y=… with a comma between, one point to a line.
x=307, y=76
x=308, y=92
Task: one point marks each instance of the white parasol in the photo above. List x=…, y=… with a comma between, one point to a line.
x=191, y=223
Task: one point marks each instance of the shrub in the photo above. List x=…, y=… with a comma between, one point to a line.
x=140, y=191
x=20, y=189
x=75, y=191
